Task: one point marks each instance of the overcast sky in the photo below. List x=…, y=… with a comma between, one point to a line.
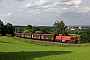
x=45, y=12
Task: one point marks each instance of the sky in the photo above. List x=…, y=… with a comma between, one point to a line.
x=45, y=12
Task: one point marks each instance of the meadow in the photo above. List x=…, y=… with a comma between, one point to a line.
x=14, y=49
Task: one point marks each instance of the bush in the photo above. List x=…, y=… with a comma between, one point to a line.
x=38, y=32
x=8, y=35
x=0, y=34
x=85, y=36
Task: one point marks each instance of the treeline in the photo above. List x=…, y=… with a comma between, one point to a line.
x=58, y=28
x=7, y=29
x=34, y=30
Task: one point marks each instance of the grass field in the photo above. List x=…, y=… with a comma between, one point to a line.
x=12, y=49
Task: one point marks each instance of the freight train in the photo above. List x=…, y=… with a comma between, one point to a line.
x=49, y=37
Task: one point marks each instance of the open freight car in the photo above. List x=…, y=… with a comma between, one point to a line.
x=48, y=37
x=28, y=36
x=17, y=34
x=22, y=35
x=36, y=36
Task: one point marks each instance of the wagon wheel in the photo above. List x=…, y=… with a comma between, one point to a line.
x=72, y=41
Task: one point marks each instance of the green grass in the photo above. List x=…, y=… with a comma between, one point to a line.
x=12, y=49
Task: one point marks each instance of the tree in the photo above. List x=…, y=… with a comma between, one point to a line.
x=44, y=30
x=28, y=27
x=35, y=28
x=4, y=30
x=27, y=31
x=59, y=27
x=10, y=29
x=85, y=36
x=1, y=27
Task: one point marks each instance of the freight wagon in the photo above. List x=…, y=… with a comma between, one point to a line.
x=36, y=36
x=48, y=37
x=28, y=36
x=22, y=35
x=17, y=34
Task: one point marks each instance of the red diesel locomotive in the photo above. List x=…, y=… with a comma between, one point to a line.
x=49, y=37
x=67, y=39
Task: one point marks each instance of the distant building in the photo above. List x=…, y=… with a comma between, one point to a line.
x=80, y=27
x=68, y=27
x=72, y=28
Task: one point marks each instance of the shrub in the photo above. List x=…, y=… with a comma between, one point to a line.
x=85, y=36
x=38, y=32
x=8, y=35
x=0, y=34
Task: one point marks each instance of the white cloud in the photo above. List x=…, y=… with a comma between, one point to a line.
x=1, y=15
x=38, y=20
x=58, y=7
x=53, y=10
x=3, y=2
x=10, y=14
x=42, y=2
x=73, y=2
x=83, y=10
x=30, y=11
x=1, y=18
x=29, y=5
x=37, y=4
x=35, y=12
x=19, y=10
x=20, y=0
